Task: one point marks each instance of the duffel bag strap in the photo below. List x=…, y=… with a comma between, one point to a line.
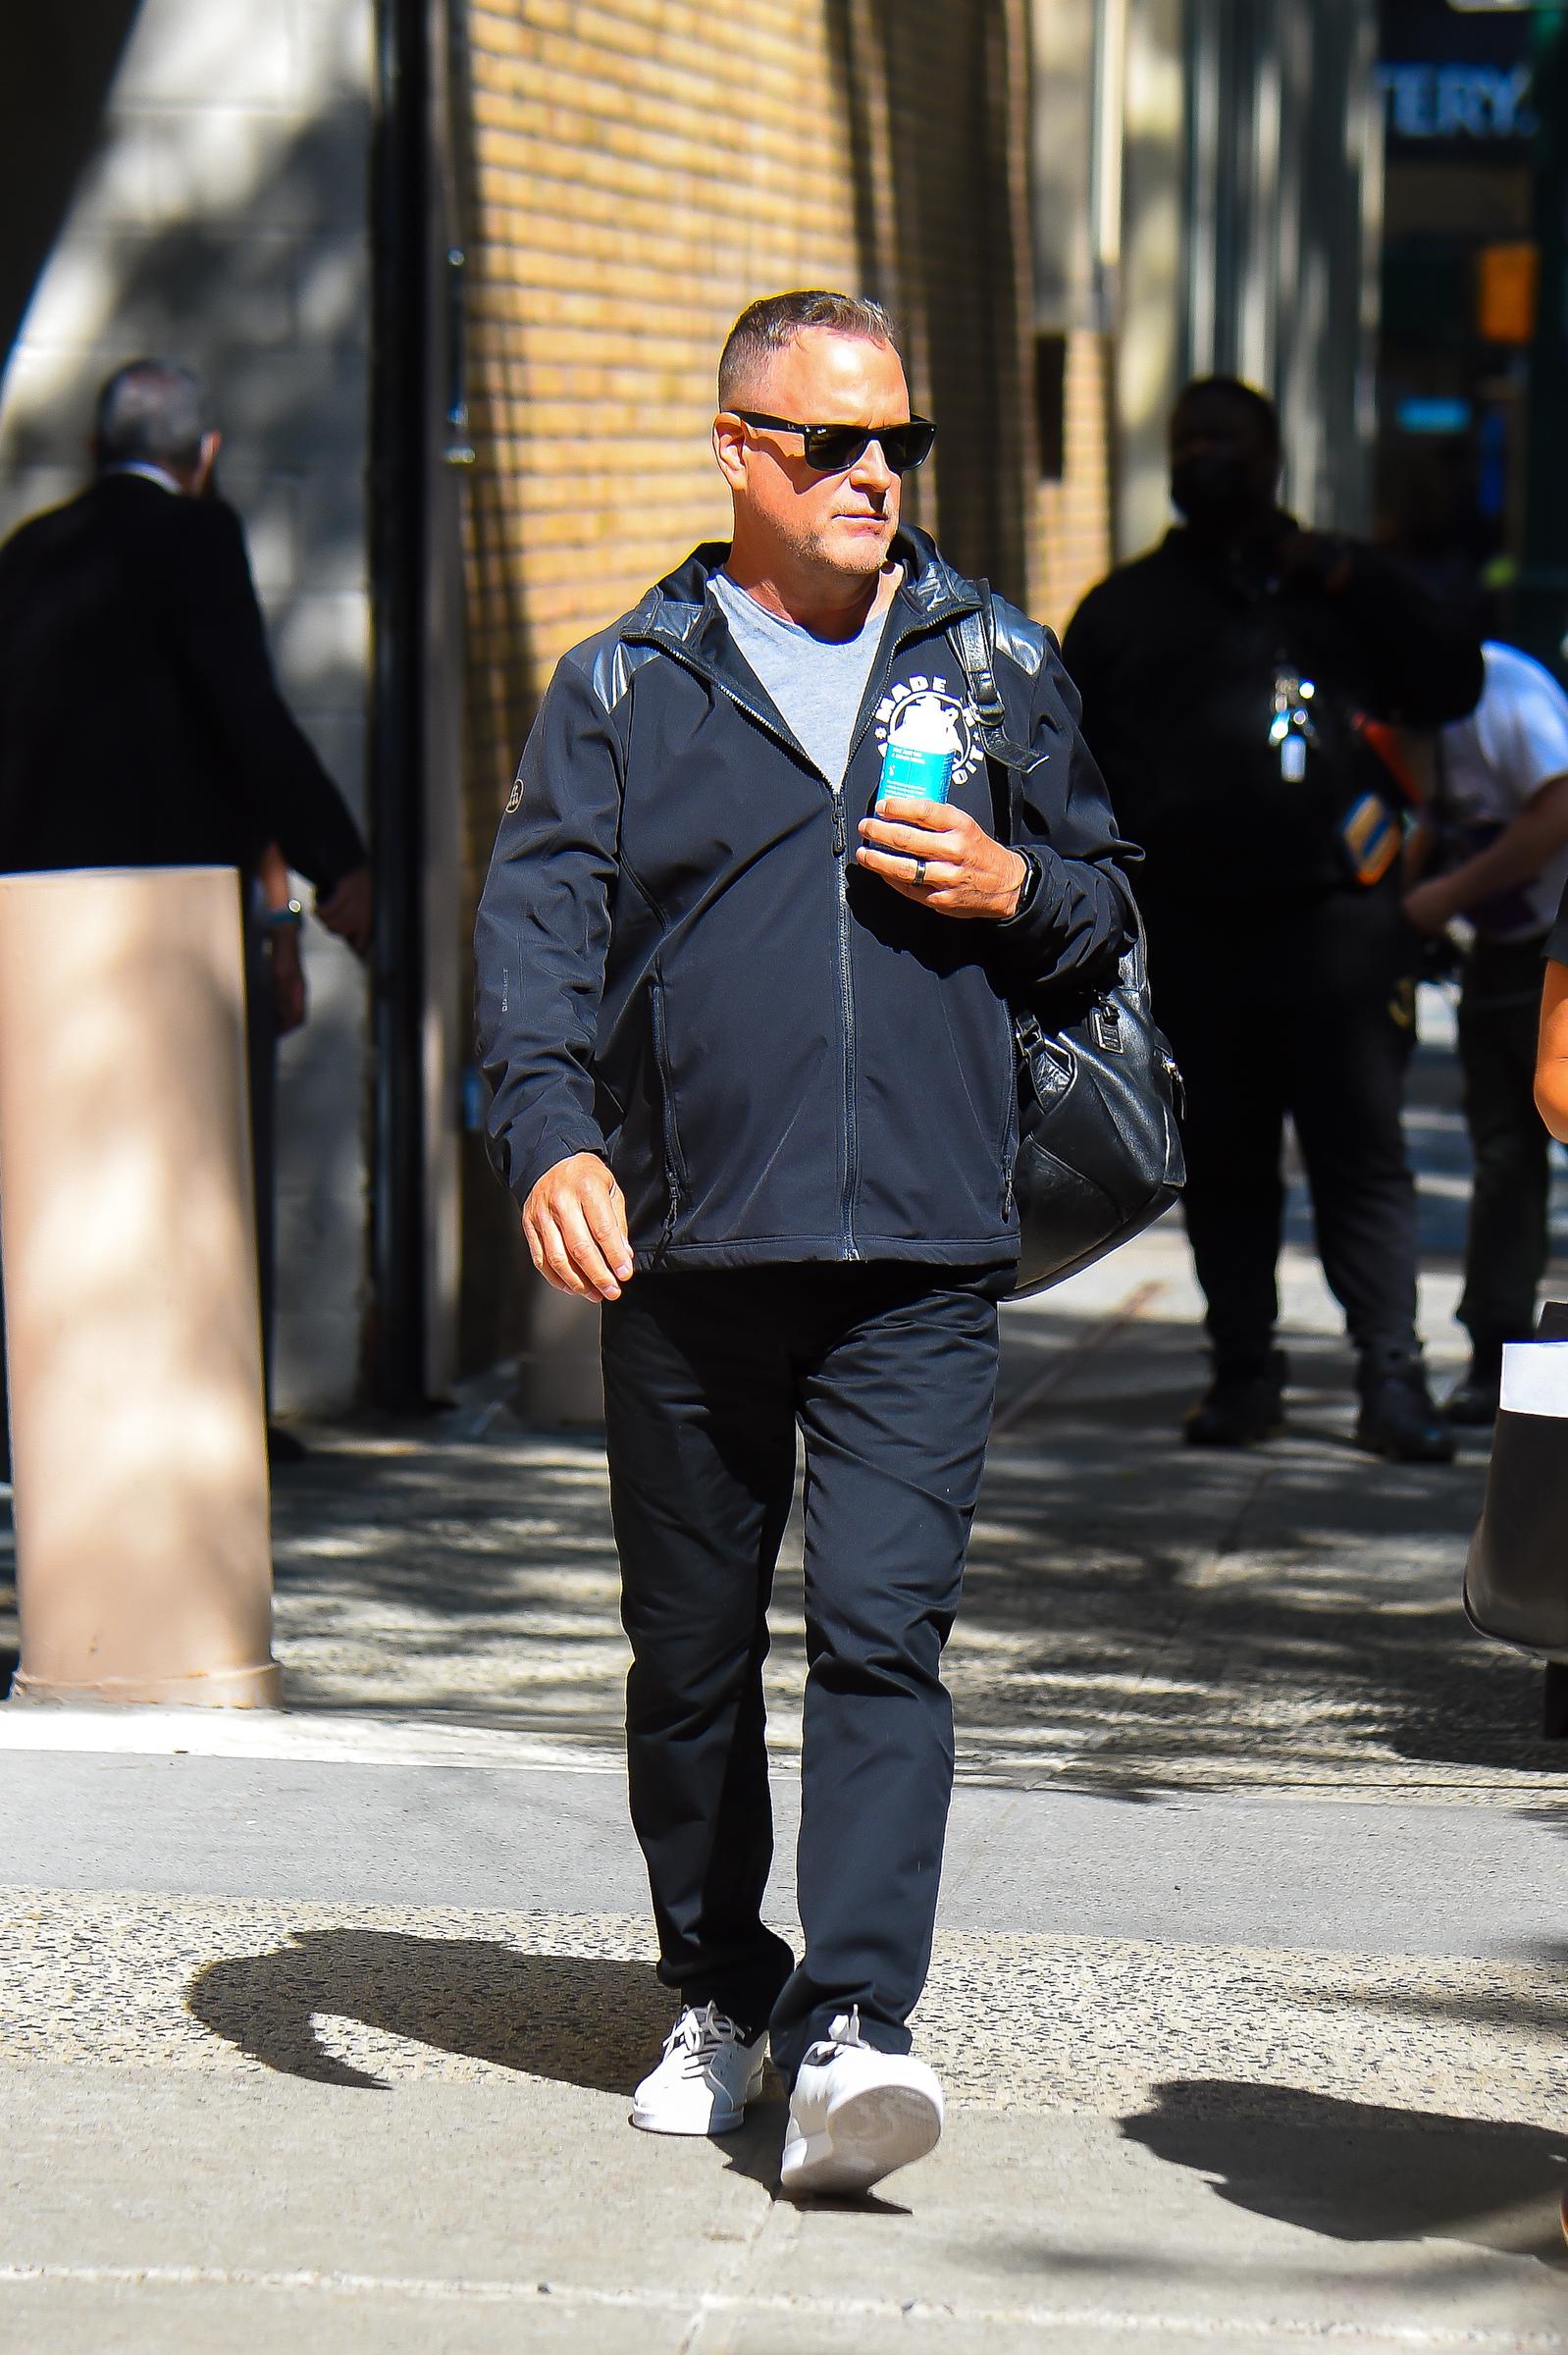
x=972, y=636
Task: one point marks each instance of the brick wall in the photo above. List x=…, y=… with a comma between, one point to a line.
x=1073, y=522
x=641, y=169
x=635, y=179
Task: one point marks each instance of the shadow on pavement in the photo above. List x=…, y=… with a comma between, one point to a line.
x=1355, y=2172
x=1159, y=1615
x=1138, y=1616
x=583, y=2022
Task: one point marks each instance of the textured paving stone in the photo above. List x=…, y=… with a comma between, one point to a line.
x=370, y=1997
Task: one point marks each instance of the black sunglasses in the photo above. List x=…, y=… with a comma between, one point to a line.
x=834, y=448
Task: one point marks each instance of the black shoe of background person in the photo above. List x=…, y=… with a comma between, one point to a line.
x=1242, y=1405
x=1398, y=1420
x=284, y=1448
x=1474, y=1400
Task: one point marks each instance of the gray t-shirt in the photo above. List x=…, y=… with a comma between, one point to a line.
x=816, y=683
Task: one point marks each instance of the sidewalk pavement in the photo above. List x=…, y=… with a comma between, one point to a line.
x=1249, y=1991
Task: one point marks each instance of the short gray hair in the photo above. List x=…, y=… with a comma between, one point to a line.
x=771, y=324
x=153, y=411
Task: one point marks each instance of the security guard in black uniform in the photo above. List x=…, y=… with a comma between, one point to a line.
x=1228, y=680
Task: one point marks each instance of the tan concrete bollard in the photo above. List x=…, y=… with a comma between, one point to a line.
x=133, y=1335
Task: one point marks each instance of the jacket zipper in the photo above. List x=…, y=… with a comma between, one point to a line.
x=1009, y=1131
x=846, y=990
x=845, y=981
x=845, y=984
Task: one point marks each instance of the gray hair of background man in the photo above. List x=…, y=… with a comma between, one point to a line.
x=771, y=324
x=154, y=411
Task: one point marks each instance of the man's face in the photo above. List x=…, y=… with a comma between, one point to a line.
x=1223, y=467
x=840, y=523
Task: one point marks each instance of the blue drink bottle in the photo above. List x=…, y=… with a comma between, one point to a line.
x=921, y=748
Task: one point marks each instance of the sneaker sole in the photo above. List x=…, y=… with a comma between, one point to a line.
x=866, y=2137
x=649, y=2121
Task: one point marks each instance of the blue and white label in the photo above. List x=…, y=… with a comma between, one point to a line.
x=930, y=697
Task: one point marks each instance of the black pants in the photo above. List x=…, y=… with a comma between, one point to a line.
x=890, y=1374
x=1506, y=1242
x=1302, y=1010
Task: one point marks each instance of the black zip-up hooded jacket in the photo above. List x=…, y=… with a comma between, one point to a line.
x=681, y=969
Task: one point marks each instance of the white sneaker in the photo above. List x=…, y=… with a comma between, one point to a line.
x=856, y=2115
x=705, y=2081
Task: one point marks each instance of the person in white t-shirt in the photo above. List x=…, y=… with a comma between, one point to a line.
x=1499, y=816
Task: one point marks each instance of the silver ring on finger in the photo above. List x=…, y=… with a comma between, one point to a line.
x=919, y=870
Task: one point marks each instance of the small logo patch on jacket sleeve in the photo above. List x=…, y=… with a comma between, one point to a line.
x=514, y=800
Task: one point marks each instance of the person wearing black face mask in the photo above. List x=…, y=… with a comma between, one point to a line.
x=1213, y=486
x=1227, y=678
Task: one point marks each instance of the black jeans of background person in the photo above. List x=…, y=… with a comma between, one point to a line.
x=1505, y=1240
x=1301, y=1009
x=889, y=1373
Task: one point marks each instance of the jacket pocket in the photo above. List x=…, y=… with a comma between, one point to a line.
x=1009, y=1113
x=675, y=1179
x=1009, y=1152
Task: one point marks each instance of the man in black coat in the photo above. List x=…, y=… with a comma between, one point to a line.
x=140, y=723
x=746, y=1019
x=1229, y=679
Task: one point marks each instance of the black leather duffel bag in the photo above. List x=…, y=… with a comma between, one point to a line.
x=1099, y=1149
x=1516, y=1579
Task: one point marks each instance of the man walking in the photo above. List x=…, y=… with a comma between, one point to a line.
x=753, y=1089
x=1226, y=677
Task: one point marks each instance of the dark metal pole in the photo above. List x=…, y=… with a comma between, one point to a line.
x=1540, y=606
x=400, y=166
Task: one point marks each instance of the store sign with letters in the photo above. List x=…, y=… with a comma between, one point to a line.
x=1457, y=103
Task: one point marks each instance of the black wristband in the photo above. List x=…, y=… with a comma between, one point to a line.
x=1032, y=871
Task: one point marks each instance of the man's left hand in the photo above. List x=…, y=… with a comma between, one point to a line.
x=937, y=856
x=1428, y=907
